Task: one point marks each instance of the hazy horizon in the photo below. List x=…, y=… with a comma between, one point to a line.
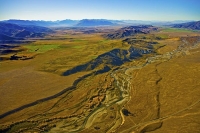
x=145, y=10
x=101, y=19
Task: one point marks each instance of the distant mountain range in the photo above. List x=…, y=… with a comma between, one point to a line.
x=20, y=29
x=89, y=22
x=189, y=25
x=66, y=22
x=10, y=31
x=95, y=22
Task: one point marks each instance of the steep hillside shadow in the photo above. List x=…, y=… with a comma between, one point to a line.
x=104, y=63
x=115, y=57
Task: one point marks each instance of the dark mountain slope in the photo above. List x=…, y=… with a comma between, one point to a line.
x=129, y=31
x=37, y=29
x=16, y=31
x=5, y=37
x=9, y=29
x=190, y=25
x=23, y=33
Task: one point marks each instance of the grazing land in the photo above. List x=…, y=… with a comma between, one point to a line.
x=105, y=79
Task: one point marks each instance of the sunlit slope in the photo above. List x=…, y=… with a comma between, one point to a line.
x=24, y=81
x=165, y=96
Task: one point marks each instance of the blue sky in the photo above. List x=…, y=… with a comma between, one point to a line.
x=163, y=10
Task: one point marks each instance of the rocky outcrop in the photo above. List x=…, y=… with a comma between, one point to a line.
x=138, y=52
